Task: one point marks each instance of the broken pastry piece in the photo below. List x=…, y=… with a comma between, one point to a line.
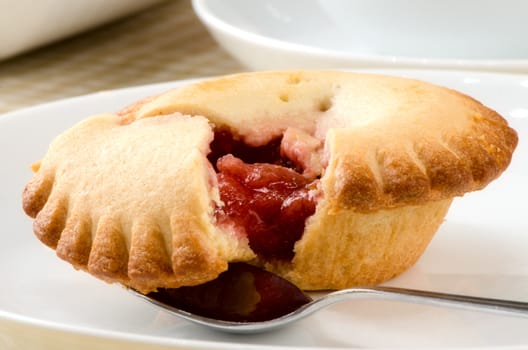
x=328, y=179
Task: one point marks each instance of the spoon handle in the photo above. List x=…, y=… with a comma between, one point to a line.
x=435, y=298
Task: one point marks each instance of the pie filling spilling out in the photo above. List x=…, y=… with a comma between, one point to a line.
x=265, y=197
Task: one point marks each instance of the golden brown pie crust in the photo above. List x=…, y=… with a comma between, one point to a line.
x=129, y=196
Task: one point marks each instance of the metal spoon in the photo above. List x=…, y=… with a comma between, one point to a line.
x=386, y=293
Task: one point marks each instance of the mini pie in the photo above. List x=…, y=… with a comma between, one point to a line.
x=329, y=179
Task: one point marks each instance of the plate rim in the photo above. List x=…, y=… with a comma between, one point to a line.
x=398, y=71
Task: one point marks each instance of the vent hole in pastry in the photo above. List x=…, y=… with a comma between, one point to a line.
x=284, y=97
x=294, y=79
x=325, y=104
x=265, y=196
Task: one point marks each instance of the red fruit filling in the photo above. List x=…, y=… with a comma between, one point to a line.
x=263, y=197
x=242, y=293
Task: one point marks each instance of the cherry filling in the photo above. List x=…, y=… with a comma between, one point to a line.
x=242, y=293
x=264, y=196
x=268, y=200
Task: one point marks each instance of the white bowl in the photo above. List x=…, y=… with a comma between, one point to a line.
x=460, y=34
x=464, y=29
x=27, y=24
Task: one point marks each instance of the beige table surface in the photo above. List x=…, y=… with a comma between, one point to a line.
x=163, y=43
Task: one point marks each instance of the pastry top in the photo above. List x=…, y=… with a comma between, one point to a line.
x=388, y=141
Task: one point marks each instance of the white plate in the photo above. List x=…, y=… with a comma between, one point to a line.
x=481, y=249
x=311, y=34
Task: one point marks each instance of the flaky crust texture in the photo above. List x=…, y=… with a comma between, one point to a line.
x=389, y=141
x=132, y=203
x=129, y=197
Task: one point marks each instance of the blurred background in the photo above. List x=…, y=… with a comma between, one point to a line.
x=52, y=49
x=160, y=41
